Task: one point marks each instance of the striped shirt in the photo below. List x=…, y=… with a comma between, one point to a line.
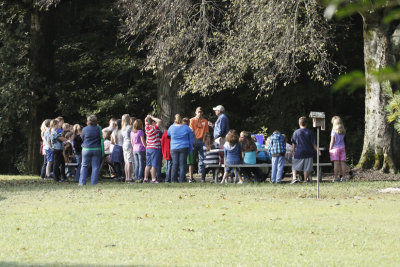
x=153, y=137
x=210, y=158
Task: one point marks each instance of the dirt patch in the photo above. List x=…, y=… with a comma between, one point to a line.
x=390, y=190
x=371, y=175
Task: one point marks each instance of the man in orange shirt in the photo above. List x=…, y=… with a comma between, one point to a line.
x=199, y=125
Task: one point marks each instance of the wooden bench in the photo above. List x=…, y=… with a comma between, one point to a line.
x=215, y=167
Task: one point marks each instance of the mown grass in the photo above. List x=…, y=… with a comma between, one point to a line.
x=115, y=224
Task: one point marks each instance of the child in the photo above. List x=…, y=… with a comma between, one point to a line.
x=45, y=148
x=249, y=154
x=77, y=130
x=166, y=152
x=58, y=146
x=277, y=149
x=232, y=154
x=117, y=156
x=68, y=153
x=337, y=149
x=190, y=158
x=139, y=149
x=127, y=146
x=289, y=150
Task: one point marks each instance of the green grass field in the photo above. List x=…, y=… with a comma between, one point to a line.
x=116, y=224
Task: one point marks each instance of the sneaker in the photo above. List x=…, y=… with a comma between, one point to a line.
x=336, y=180
x=192, y=181
x=343, y=180
x=240, y=182
x=154, y=181
x=294, y=181
x=145, y=180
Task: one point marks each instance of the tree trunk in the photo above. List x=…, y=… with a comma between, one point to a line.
x=380, y=139
x=41, y=69
x=167, y=96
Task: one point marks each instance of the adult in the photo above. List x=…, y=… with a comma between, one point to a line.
x=304, y=147
x=181, y=145
x=221, y=126
x=153, y=148
x=199, y=125
x=111, y=126
x=91, y=150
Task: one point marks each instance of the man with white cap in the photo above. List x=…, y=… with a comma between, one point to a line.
x=221, y=126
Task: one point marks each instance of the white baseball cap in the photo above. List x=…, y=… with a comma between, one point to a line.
x=220, y=108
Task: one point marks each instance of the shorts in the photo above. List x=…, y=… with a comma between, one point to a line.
x=49, y=155
x=229, y=169
x=153, y=158
x=190, y=159
x=128, y=155
x=338, y=154
x=305, y=165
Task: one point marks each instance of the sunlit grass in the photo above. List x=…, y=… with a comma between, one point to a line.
x=43, y=223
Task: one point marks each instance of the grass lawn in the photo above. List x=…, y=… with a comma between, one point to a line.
x=116, y=224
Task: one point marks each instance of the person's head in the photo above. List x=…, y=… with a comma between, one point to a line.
x=132, y=120
x=336, y=119
x=66, y=127
x=219, y=109
x=118, y=125
x=91, y=120
x=199, y=112
x=244, y=134
x=254, y=138
x=45, y=125
x=232, y=137
x=137, y=125
x=149, y=120
x=303, y=122
x=338, y=127
x=111, y=123
x=186, y=121
x=125, y=121
x=69, y=136
x=60, y=120
x=77, y=129
x=107, y=135
x=247, y=143
x=178, y=119
x=54, y=124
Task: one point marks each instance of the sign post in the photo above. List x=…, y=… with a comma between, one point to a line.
x=318, y=121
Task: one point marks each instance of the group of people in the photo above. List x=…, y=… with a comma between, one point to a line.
x=139, y=150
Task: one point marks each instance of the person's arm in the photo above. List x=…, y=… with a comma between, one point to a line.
x=190, y=132
x=332, y=142
x=217, y=129
x=157, y=120
x=143, y=140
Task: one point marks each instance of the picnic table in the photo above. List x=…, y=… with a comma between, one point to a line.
x=235, y=167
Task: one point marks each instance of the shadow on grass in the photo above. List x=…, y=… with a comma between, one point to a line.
x=10, y=263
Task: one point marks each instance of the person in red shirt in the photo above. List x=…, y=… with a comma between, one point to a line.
x=166, y=152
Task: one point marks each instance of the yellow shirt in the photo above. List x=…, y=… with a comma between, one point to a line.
x=199, y=127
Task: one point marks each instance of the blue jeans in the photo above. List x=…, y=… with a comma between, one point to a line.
x=140, y=164
x=168, y=169
x=277, y=169
x=78, y=169
x=92, y=157
x=179, y=157
x=199, y=147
